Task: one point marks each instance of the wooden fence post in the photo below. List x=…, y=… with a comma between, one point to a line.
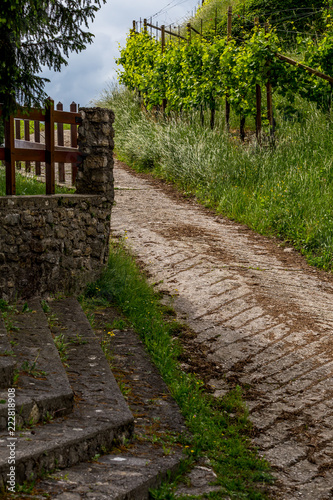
x=49, y=146
x=27, y=138
x=269, y=98
x=145, y=26
x=18, y=136
x=258, y=100
x=188, y=28
x=73, y=108
x=134, y=27
x=163, y=37
x=10, y=156
x=60, y=137
x=227, y=103
x=37, y=139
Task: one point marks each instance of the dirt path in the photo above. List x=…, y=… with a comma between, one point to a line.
x=262, y=317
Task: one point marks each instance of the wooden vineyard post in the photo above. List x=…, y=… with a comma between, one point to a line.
x=73, y=108
x=37, y=139
x=18, y=136
x=164, y=101
x=10, y=156
x=188, y=28
x=215, y=22
x=145, y=26
x=227, y=103
x=269, y=99
x=163, y=37
x=60, y=137
x=49, y=147
x=258, y=100
x=134, y=27
x=27, y=138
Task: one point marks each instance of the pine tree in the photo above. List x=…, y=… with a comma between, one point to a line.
x=37, y=33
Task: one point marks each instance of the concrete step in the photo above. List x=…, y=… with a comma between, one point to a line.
x=7, y=363
x=100, y=415
x=43, y=390
x=128, y=473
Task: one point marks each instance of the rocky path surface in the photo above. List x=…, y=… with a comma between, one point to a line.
x=261, y=315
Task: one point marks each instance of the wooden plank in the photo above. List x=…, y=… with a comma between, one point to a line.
x=18, y=136
x=73, y=108
x=72, y=157
x=258, y=114
x=2, y=153
x=37, y=140
x=49, y=147
x=30, y=155
x=227, y=103
x=33, y=114
x=60, y=137
x=67, y=117
x=306, y=68
x=27, y=138
x=10, y=156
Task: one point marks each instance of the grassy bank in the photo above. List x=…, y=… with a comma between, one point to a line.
x=285, y=190
x=220, y=427
x=28, y=185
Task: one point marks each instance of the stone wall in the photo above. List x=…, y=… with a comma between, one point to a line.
x=59, y=243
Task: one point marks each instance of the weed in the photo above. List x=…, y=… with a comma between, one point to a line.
x=117, y=324
x=77, y=340
x=7, y=353
x=45, y=306
x=220, y=428
x=62, y=345
x=30, y=368
x=26, y=308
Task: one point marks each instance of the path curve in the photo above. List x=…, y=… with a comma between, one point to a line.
x=261, y=315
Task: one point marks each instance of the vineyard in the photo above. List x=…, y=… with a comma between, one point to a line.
x=189, y=98
x=200, y=71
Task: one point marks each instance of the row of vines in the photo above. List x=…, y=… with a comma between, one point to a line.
x=185, y=75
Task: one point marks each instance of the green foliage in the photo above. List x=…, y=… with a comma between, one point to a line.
x=290, y=17
x=37, y=33
x=201, y=73
x=286, y=191
x=219, y=428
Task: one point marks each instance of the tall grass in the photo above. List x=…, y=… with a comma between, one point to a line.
x=284, y=190
x=28, y=185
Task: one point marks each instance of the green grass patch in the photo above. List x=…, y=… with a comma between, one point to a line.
x=220, y=427
x=283, y=190
x=28, y=185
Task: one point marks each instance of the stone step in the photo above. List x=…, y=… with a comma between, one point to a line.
x=100, y=415
x=7, y=363
x=43, y=390
x=128, y=473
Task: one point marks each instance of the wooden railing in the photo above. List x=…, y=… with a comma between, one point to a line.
x=16, y=150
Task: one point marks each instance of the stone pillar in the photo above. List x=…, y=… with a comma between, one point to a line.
x=95, y=140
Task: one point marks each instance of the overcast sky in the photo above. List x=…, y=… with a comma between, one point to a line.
x=88, y=72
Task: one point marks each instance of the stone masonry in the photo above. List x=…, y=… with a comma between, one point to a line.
x=60, y=242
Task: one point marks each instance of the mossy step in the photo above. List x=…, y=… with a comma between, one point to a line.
x=7, y=363
x=100, y=414
x=42, y=388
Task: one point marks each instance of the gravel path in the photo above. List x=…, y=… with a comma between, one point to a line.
x=262, y=316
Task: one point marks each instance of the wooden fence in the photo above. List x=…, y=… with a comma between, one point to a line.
x=17, y=150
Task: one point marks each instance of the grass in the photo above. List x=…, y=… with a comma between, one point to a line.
x=28, y=186
x=283, y=190
x=220, y=427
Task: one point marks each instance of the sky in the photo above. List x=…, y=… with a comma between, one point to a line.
x=89, y=72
